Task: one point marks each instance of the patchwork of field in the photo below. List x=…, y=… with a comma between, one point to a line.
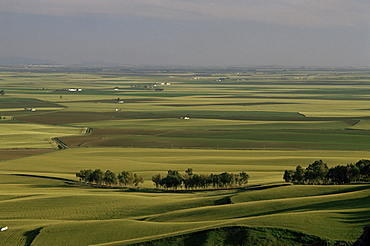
x=261, y=121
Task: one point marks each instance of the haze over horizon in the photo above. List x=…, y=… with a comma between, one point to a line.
x=188, y=32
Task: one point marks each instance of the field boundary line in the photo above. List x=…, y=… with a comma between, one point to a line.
x=164, y=133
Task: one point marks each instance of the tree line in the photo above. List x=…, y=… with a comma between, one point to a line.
x=108, y=178
x=319, y=173
x=190, y=180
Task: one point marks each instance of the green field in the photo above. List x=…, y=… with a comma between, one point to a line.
x=261, y=121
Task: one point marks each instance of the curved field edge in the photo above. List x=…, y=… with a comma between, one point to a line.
x=127, y=232
x=102, y=232
x=338, y=202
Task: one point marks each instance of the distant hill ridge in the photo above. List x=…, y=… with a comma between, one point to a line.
x=15, y=60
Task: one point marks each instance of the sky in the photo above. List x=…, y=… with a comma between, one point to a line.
x=188, y=32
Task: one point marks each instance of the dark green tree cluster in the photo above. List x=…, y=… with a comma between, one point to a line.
x=319, y=173
x=108, y=178
x=189, y=180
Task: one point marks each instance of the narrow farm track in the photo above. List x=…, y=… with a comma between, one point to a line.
x=88, y=131
x=60, y=143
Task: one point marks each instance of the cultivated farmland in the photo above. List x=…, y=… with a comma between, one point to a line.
x=150, y=120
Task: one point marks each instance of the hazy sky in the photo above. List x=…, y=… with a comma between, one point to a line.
x=189, y=32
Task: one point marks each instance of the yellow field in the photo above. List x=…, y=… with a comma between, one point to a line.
x=25, y=135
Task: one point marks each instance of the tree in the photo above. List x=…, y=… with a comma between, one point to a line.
x=97, y=176
x=243, y=178
x=172, y=180
x=225, y=179
x=339, y=175
x=189, y=172
x=344, y=174
x=138, y=179
x=317, y=172
x=353, y=172
x=2, y=92
x=126, y=178
x=214, y=180
x=202, y=181
x=288, y=175
x=188, y=178
x=157, y=180
x=109, y=178
x=364, y=167
x=299, y=175
x=84, y=174
x=196, y=181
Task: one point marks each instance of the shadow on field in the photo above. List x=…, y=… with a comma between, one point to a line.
x=349, y=189
x=31, y=235
x=356, y=217
x=267, y=186
x=340, y=204
x=240, y=235
x=44, y=177
x=66, y=182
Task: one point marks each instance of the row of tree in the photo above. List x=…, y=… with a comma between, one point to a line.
x=108, y=178
x=189, y=180
x=319, y=173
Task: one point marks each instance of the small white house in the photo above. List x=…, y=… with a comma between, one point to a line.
x=4, y=228
x=30, y=109
x=185, y=118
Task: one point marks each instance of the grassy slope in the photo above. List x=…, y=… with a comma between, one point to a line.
x=68, y=215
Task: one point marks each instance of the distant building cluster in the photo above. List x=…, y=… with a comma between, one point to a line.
x=74, y=89
x=71, y=90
